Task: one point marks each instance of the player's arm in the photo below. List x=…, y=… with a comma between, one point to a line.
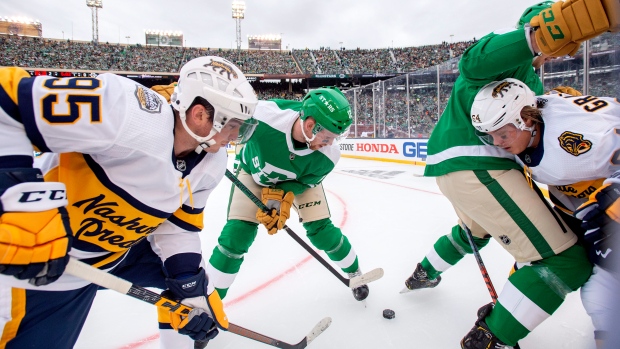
x=81, y=114
x=35, y=235
x=600, y=217
x=177, y=243
x=494, y=55
x=188, y=283
x=561, y=28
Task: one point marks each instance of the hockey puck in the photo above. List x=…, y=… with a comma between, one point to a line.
x=389, y=314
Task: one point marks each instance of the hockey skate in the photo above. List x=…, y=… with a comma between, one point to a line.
x=419, y=279
x=359, y=293
x=480, y=337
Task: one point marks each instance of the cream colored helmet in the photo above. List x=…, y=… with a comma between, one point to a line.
x=499, y=103
x=224, y=86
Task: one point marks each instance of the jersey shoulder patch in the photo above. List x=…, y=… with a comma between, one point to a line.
x=148, y=100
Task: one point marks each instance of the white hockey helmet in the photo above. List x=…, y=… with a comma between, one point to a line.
x=225, y=87
x=499, y=103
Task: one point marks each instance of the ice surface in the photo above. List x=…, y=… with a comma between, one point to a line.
x=392, y=216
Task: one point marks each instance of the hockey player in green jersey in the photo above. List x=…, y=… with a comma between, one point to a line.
x=488, y=191
x=568, y=142
x=284, y=163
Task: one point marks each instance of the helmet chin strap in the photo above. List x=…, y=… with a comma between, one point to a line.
x=205, y=142
x=308, y=140
x=533, y=132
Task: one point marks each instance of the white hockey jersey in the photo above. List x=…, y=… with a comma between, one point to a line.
x=579, y=146
x=110, y=140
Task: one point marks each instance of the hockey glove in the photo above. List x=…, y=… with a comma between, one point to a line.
x=208, y=310
x=561, y=28
x=165, y=90
x=35, y=235
x=600, y=217
x=279, y=205
x=566, y=90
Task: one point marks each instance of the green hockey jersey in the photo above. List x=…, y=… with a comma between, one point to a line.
x=454, y=145
x=272, y=157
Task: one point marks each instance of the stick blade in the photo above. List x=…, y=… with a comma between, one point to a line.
x=318, y=329
x=365, y=278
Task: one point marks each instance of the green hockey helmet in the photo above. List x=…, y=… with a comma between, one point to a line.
x=532, y=11
x=329, y=108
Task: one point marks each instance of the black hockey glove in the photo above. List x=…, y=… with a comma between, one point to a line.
x=600, y=217
x=208, y=310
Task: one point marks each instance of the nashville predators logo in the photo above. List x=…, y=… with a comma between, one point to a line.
x=501, y=88
x=574, y=144
x=223, y=69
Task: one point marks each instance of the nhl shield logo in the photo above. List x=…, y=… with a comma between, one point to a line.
x=291, y=156
x=181, y=166
x=505, y=239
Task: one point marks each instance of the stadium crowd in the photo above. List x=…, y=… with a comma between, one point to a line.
x=380, y=115
x=34, y=52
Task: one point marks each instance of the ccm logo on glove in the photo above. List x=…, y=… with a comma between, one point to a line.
x=189, y=285
x=34, y=197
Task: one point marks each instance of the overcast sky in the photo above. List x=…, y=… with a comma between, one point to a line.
x=302, y=23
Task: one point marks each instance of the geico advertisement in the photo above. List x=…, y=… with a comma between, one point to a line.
x=406, y=150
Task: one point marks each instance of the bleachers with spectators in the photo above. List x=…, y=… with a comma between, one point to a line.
x=383, y=110
x=33, y=52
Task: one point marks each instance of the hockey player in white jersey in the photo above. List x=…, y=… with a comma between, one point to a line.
x=572, y=144
x=122, y=186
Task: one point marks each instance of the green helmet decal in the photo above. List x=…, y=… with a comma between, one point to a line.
x=329, y=107
x=532, y=11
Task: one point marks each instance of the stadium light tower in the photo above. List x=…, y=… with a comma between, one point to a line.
x=95, y=5
x=238, y=13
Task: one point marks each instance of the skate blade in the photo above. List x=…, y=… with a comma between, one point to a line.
x=406, y=290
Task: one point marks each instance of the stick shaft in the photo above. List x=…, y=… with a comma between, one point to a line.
x=107, y=280
x=290, y=232
x=483, y=269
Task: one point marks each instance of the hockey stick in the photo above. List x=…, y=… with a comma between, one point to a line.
x=483, y=269
x=107, y=280
x=353, y=282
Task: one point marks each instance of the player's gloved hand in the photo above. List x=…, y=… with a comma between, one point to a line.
x=279, y=205
x=562, y=28
x=208, y=310
x=600, y=217
x=565, y=89
x=35, y=235
x=165, y=90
